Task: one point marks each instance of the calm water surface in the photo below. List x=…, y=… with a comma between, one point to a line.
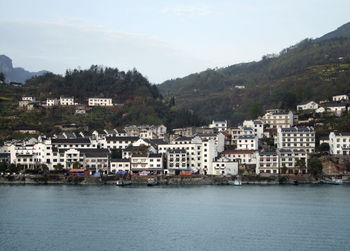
x=303, y=217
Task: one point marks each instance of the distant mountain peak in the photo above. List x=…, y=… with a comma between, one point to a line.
x=342, y=31
x=15, y=74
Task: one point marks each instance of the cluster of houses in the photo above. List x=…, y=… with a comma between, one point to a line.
x=339, y=105
x=29, y=103
x=215, y=149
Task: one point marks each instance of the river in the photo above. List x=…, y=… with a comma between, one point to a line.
x=250, y=217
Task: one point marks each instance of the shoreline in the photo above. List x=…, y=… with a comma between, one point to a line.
x=161, y=180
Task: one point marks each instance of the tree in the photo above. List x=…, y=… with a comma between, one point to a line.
x=324, y=147
x=315, y=166
x=58, y=167
x=300, y=164
x=255, y=110
x=3, y=167
x=116, y=154
x=2, y=77
x=76, y=165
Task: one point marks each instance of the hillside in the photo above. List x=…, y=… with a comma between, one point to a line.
x=311, y=69
x=15, y=74
x=139, y=102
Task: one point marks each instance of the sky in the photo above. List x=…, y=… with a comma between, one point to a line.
x=162, y=39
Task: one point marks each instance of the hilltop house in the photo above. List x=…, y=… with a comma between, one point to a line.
x=279, y=119
x=342, y=97
x=219, y=125
x=66, y=100
x=309, y=105
x=100, y=102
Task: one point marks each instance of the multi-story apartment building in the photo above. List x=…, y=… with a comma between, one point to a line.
x=302, y=138
x=220, y=126
x=292, y=161
x=244, y=157
x=117, y=142
x=100, y=102
x=278, y=119
x=147, y=162
x=247, y=142
x=267, y=162
x=339, y=143
x=177, y=161
x=257, y=126
x=120, y=165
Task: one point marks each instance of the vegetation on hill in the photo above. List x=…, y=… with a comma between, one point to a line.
x=310, y=70
x=141, y=102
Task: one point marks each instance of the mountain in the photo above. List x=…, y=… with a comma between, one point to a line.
x=309, y=70
x=342, y=31
x=16, y=74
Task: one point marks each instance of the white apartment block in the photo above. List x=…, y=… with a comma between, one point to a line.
x=147, y=162
x=52, y=102
x=66, y=100
x=223, y=166
x=177, y=161
x=200, y=153
x=120, y=165
x=279, y=119
x=257, y=126
x=340, y=98
x=117, y=142
x=219, y=125
x=267, y=162
x=289, y=160
x=339, y=143
x=302, y=138
x=309, y=105
x=100, y=102
x=244, y=157
x=247, y=142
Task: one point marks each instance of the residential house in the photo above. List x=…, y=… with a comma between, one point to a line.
x=308, y=105
x=279, y=119
x=339, y=143
x=342, y=97
x=247, y=142
x=100, y=102
x=66, y=100
x=219, y=125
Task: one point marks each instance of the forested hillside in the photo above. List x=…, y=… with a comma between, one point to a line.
x=138, y=101
x=312, y=69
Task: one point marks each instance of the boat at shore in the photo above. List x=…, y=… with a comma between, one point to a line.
x=334, y=181
x=152, y=182
x=236, y=182
x=123, y=182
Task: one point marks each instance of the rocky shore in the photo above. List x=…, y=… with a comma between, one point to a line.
x=162, y=180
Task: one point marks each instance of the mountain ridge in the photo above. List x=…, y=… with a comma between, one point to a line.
x=16, y=74
x=296, y=74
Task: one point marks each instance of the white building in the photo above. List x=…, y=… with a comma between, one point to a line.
x=244, y=157
x=267, y=162
x=177, y=161
x=247, y=142
x=339, y=143
x=219, y=125
x=340, y=98
x=66, y=100
x=52, y=102
x=151, y=162
x=224, y=166
x=289, y=161
x=337, y=108
x=120, y=165
x=30, y=99
x=309, y=105
x=100, y=102
x=200, y=153
x=279, y=119
x=257, y=126
x=117, y=142
x=302, y=138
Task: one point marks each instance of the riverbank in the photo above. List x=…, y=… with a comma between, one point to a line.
x=161, y=180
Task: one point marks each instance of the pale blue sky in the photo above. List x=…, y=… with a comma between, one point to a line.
x=161, y=39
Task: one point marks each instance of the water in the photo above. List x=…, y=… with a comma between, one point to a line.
x=303, y=217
